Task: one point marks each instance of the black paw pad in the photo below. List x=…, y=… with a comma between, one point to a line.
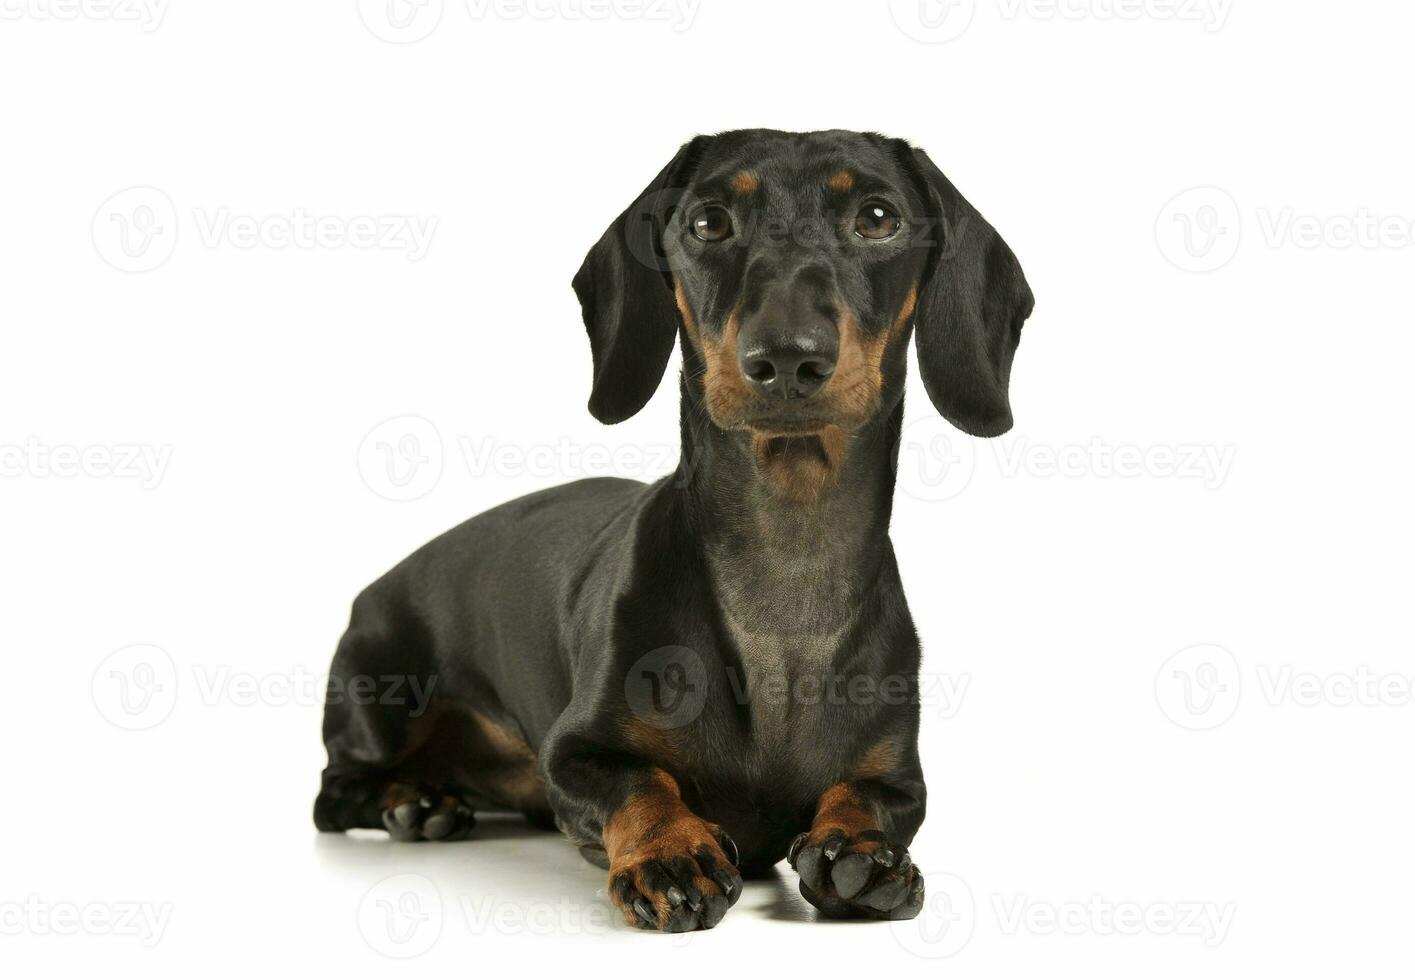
x=430, y=816
x=857, y=878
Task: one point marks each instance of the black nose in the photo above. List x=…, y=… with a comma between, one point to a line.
x=790, y=372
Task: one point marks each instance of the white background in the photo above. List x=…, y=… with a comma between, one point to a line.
x=1208, y=483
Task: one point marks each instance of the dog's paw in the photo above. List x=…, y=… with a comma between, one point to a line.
x=413, y=814
x=679, y=882
x=862, y=876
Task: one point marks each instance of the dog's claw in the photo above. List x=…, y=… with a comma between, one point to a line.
x=729, y=847
x=795, y=849
x=695, y=899
x=730, y=884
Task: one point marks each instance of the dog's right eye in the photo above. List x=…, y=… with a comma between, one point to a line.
x=712, y=224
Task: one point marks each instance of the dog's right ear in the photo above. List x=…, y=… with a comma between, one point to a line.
x=626, y=297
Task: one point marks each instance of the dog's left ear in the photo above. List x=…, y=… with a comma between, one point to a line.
x=626, y=297
x=970, y=311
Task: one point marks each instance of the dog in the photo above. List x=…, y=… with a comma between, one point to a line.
x=695, y=678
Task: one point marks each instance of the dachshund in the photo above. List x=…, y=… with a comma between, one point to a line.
x=695, y=678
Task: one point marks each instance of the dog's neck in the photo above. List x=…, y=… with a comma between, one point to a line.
x=788, y=571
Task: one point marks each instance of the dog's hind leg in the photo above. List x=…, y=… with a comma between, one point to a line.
x=415, y=745
x=379, y=711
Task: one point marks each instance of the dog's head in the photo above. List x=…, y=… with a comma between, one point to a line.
x=796, y=265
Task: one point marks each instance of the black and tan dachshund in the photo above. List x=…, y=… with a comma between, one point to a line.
x=695, y=678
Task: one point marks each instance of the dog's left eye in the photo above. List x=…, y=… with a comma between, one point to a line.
x=876, y=222
x=712, y=224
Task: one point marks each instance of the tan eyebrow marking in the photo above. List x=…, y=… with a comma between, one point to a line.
x=841, y=180
x=745, y=182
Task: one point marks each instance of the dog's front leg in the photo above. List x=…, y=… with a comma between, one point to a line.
x=854, y=862
x=668, y=868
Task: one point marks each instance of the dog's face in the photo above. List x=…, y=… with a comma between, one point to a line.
x=796, y=265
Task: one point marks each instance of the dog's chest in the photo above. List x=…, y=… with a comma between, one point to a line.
x=784, y=683
x=786, y=621
x=784, y=741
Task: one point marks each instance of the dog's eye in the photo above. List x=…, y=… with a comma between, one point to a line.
x=876, y=222
x=712, y=224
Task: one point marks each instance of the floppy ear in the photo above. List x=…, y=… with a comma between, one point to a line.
x=970, y=313
x=627, y=300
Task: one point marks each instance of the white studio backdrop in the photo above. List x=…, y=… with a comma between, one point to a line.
x=286, y=293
